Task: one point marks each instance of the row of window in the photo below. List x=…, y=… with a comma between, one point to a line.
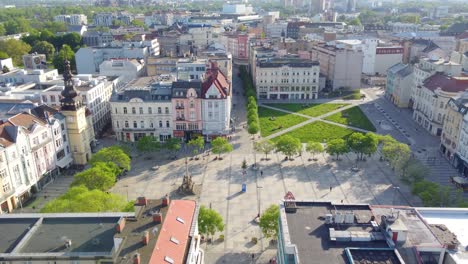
x=141, y=110
x=142, y=124
x=183, y=126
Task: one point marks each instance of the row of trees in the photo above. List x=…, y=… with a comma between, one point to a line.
x=252, y=108
x=89, y=189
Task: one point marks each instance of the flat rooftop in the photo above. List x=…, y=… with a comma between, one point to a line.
x=87, y=234
x=373, y=256
x=12, y=231
x=310, y=234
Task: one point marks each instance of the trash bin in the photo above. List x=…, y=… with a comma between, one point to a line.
x=244, y=187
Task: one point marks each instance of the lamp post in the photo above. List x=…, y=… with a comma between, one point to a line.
x=395, y=189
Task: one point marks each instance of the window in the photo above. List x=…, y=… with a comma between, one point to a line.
x=126, y=124
x=6, y=187
x=133, y=110
x=117, y=124
x=142, y=124
x=216, y=104
x=64, y=138
x=167, y=110
x=210, y=104
x=44, y=135
x=192, y=115
x=35, y=140
x=135, y=124
x=210, y=115
x=125, y=110
x=141, y=110
x=160, y=124
x=150, y=110
x=3, y=174
x=44, y=99
x=180, y=126
x=192, y=105
x=52, y=98
x=168, y=124
x=159, y=110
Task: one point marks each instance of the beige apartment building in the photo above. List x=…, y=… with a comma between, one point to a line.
x=456, y=110
x=341, y=66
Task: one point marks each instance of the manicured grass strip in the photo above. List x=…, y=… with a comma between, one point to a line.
x=319, y=132
x=309, y=109
x=281, y=120
x=352, y=117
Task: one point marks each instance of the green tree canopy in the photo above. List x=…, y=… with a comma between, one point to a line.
x=15, y=49
x=289, y=146
x=221, y=145
x=65, y=53
x=253, y=128
x=314, y=148
x=80, y=199
x=113, y=154
x=396, y=153
x=172, y=144
x=197, y=144
x=269, y=221
x=337, y=147
x=265, y=146
x=363, y=144
x=148, y=144
x=2, y=30
x=44, y=47
x=3, y=55
x=73, y=40
x=100, y=176
x=209, y=221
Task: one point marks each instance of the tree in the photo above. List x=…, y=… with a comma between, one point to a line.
x=337, y=147
x=73, y=40
x=363, y=144
x=5, y=69
x=44, y=47
x=265, y=146
x=209, y=221
x=396, y=153
x=65, y=53
x=173, y=144
x=148, y=144
x=221, y=145
x=15, y=49
x=113, y=154
x=3, y=55
x=269, y=221
x=100, y=176
x=2, y=30
x=80, y=199
x=314, y=148
x=197, y=144
x=288, y=146
x=253, y=128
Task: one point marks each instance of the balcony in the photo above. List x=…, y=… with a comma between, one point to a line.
x=180, y=118
x=130, y=129
x=180, y=107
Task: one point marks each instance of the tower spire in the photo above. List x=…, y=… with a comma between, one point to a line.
x=69, y=94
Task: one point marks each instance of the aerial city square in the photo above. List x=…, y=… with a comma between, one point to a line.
x=244, y=131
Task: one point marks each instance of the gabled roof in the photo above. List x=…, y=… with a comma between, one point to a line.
x=174, y=238
x=26, y=120
x=43, y=112
x=401, y=69
x=216, y=77
x=446, y=83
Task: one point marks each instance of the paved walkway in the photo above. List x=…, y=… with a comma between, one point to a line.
x=314, y=119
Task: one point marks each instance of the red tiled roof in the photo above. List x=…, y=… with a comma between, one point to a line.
x=25, y=120
x=216, y=77
x=446, y=83
x=173, y=228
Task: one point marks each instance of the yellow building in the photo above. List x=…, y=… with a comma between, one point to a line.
x=456, y=110
x=78, y=119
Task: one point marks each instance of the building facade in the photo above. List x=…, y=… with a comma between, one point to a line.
x=398, y=85
x=142, y=108
x=457, y=108
x=431, y=100
x=187, y=109
x=287, y=79
x=462, y=149
x=73, y=19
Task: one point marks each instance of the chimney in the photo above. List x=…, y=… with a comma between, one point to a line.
x=157, y=218
x=165, y=200
x=145, y=238
x=137, y=258
x=142, y=201
x=120, y=225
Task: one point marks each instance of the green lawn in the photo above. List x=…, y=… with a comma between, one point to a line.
x=310, y=110
x=268, y=127
x=319, y=132
x=352, y=117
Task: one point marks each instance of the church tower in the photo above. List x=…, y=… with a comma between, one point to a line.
x=78, y=120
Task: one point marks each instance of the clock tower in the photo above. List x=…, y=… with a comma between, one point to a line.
x=78, y=119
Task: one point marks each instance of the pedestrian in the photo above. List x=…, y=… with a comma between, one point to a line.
x=261, y=173
x=331, y=188
x=253, y=256
x=341, y=200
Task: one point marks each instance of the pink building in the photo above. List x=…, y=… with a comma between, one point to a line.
x=186, y=109
x=237, y=45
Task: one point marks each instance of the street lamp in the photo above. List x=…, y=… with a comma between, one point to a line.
x=395, y=189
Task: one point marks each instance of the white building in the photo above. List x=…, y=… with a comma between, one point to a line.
x=399, y=82
x=237, y=9
x=142, y=108
x=74, y=19
x=462, y=148
x=89, y=59
x=431, y=100
x=216, y=104
x=287, y=79
x=103, y=19
x=127, y=69
x=189, y=69
x=277, y=29
x=21, y=76
x=429, y=66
